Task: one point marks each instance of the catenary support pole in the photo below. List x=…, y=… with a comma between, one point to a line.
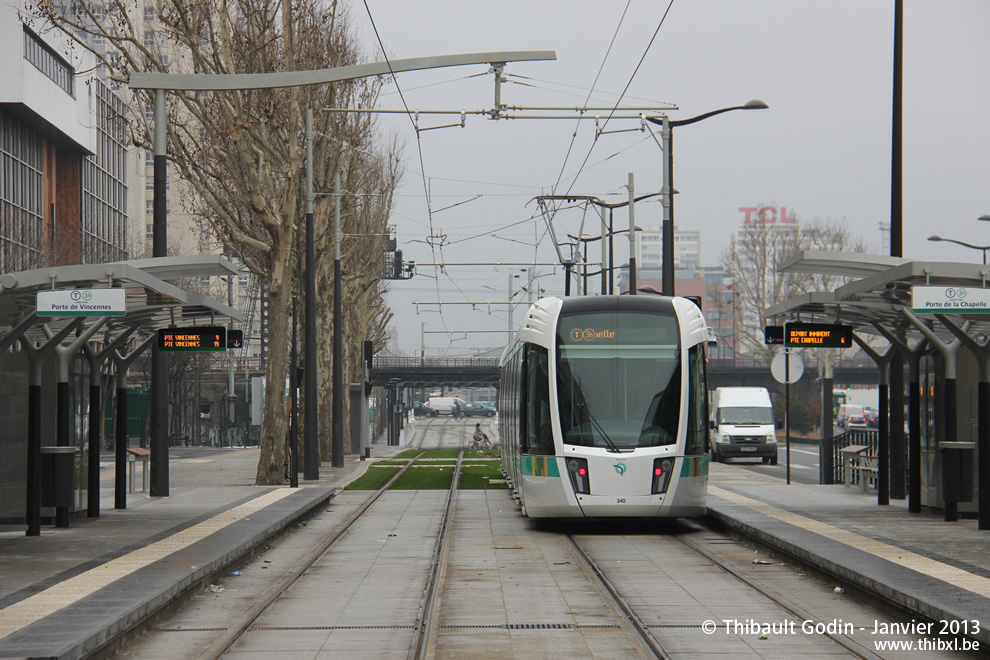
x=159, y=360
x=294, y=405
x=311, y=437
x=337, y=372
x=632, y=235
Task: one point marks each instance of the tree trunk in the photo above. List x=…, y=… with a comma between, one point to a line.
x=270, y=463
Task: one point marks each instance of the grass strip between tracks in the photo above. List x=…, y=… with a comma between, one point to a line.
x=430, y=477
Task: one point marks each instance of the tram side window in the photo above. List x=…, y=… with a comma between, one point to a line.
x=539, y=430
x=697, y=426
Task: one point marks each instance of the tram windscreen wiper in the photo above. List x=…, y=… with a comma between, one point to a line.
x=586, y=409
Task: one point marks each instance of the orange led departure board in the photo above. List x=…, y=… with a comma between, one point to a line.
x=205, y=338
x=817, y=335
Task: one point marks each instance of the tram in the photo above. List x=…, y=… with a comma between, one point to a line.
x=603, y=408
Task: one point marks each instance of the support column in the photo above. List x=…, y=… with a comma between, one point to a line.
x=913, y=356
x=826, y=450
x=36, y=357
x=883, y=438
x=122, y=364
x=981, y=350
x=950, y=455
x=63, y=415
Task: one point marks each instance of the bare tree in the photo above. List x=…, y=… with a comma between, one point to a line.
x=240, y=151
x=751, y=261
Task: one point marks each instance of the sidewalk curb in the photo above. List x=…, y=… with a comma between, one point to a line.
x=115, y=604
x=848, y=564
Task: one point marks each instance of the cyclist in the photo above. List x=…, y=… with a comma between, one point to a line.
x=479, y=439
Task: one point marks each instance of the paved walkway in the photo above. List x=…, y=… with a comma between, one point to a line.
x=917, y=561
x=67, y=592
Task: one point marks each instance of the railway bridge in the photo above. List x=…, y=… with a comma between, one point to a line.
x=483, y=372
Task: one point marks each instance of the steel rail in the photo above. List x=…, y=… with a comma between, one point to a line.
x=636, y=626
x=427, y=625
x=236, y=630
x=847, y=643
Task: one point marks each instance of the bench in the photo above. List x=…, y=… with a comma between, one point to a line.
x=133, y=456
x=855, y=462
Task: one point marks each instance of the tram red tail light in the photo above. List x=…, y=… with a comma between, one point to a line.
x=662, y=468
x=577, y=469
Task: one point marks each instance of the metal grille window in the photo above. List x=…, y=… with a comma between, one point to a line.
x=104, y=183
x=41, y=55
x=21, y=213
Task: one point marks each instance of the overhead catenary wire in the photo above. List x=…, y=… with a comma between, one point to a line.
x=419, y=143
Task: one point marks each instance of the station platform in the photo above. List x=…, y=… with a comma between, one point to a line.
x=69, y=591
x=66, y=593
x=918, y=562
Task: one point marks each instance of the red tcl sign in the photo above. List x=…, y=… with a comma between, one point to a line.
x=766, y=214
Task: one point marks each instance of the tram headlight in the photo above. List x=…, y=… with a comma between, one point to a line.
x=577, y=469
x=662, y=468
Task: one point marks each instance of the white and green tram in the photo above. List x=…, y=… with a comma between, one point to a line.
x=603, y=408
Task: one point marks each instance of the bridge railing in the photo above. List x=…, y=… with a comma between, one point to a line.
x=433, y=362
x=811, y=363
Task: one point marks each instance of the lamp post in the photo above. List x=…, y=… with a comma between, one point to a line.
x=936, y=237
x=667, y=135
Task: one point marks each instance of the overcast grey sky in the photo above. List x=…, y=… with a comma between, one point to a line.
x=822, y=149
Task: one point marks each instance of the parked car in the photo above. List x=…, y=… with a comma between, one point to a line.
x=489, y=404
x=477, y=410
x=420, y=410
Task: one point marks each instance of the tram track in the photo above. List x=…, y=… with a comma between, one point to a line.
x=626, y=613
x=426, y=622
x=643, y=632
x=242, y=625
x=847, y=643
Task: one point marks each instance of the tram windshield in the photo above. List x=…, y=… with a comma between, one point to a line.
x=618, y=379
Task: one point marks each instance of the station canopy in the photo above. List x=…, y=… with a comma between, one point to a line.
x=152, y=300
x=878, y=290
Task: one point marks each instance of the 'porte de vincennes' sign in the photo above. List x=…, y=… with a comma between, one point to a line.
x=82, y=302
x=950, y=300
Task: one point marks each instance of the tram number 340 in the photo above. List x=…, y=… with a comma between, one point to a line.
x=620, y=500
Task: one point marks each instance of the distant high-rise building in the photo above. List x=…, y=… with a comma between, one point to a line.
x=687, y=248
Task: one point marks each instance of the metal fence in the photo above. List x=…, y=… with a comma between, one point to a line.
x=866, y=437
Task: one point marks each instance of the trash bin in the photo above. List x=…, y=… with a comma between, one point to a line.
x=57, y=466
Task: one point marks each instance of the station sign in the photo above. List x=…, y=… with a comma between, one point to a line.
x=773, y=334
x=817, y=335
x=950, y=300
x=235, y=338
x=82, y=302
x=200, y=338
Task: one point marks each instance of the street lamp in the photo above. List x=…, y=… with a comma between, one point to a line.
x=667, y=135
x=936, y=237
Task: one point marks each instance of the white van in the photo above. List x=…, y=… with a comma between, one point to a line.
x=742, y=424
x=444, y=404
